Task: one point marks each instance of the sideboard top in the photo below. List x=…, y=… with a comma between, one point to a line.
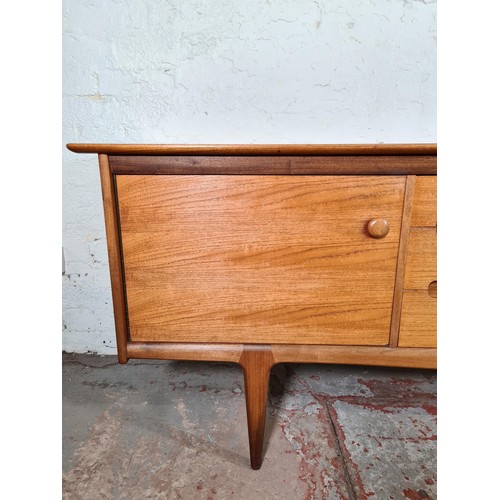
x=256, y=149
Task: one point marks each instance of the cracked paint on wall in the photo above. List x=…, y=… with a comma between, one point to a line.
x=230, y=72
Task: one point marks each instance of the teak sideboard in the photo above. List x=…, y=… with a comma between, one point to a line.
x=266, y=254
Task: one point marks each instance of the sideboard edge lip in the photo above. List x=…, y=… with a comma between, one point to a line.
x=361, y=149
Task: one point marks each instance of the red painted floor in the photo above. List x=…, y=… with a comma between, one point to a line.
x=177, y=430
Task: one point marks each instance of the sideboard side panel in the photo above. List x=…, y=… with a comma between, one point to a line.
x=111, y=218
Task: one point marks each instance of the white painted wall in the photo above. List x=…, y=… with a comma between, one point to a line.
x=155, y=71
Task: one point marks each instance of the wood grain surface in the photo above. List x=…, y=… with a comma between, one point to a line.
x=190, y=352
x=256, y=362
x=274, y=165
x=425, y=201
x=402, y=256
x=282, y=353
x=114, y=255
x=421, y=266
x=418, y=320
x=259, y=259
x=356, y=355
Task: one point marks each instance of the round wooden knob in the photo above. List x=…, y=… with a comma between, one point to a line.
x=378, y=228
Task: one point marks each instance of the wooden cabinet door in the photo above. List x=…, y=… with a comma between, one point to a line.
x=259, y=259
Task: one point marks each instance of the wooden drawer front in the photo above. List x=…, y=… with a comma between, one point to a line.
x=418, y=320
x=259, y=259
x=424, y=212
x=421, y=266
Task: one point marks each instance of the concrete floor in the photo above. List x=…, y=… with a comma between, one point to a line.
x=177, y=430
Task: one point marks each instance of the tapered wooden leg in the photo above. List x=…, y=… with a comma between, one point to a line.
x=256, y=362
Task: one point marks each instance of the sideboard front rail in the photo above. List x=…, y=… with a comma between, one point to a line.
x=273, y=165
x=282, y=353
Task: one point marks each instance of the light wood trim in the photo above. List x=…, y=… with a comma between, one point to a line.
x=418, y=320
x=402, y=256
x=114, y=253
x=230, y=353
x=425, y=203
x=283, y=353
x=356, y=355
x=255, y=149
x=274, y=165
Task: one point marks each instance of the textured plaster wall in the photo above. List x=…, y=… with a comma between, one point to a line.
x=157, y=71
